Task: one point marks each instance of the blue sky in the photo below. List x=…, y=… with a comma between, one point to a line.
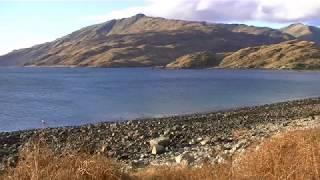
x=25, y=23
x=28, y=22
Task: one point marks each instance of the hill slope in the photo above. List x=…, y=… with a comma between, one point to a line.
x=303, y=32
x=286, y=55
x=141, y=41
x=195, y=60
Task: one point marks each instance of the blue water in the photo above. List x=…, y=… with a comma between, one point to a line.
x=64, y=96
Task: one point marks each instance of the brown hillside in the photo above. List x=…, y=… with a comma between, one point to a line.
x=303, y=32
x=141, y=41
x=195, y=60
x=287, y=55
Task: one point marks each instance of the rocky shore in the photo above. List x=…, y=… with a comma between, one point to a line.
x=186, y=139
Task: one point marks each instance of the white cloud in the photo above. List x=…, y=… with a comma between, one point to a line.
x=274, y=11
x=289, y=10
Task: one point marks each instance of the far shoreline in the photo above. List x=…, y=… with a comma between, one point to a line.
x=163, y=68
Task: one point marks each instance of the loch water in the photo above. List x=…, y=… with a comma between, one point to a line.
x=75, y=96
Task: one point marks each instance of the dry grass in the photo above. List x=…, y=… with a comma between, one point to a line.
x=207, y=172
x=40, y=163
x=294, y=155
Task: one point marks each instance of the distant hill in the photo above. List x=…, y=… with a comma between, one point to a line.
x=195, y=60
x=286, y=55
x=141, y=41
x=303, y=32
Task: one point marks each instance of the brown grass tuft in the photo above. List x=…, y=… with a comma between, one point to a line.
x=293, y=155
x=207, y=172
x=39, y=163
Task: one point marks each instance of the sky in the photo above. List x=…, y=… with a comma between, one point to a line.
x=25, y=23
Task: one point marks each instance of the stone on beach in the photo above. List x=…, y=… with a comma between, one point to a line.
x=157, y=149
x=184, y=159
x=158, y=145
x=205, y=141
x=162, y=140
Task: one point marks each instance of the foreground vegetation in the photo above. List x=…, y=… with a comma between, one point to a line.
x=293, y=155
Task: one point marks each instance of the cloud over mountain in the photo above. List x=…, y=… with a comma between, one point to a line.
x=275, y=11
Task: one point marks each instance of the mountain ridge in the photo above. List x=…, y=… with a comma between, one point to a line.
x=141, y=41
x=303, y=32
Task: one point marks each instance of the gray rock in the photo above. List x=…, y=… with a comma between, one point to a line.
x=220, y=159
x=166, y=132
x=184, y=159
x=157, y=149
x=192, y=142
x=227, y=146
x=205, y=141
x=162, y=140
x=104, y=148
